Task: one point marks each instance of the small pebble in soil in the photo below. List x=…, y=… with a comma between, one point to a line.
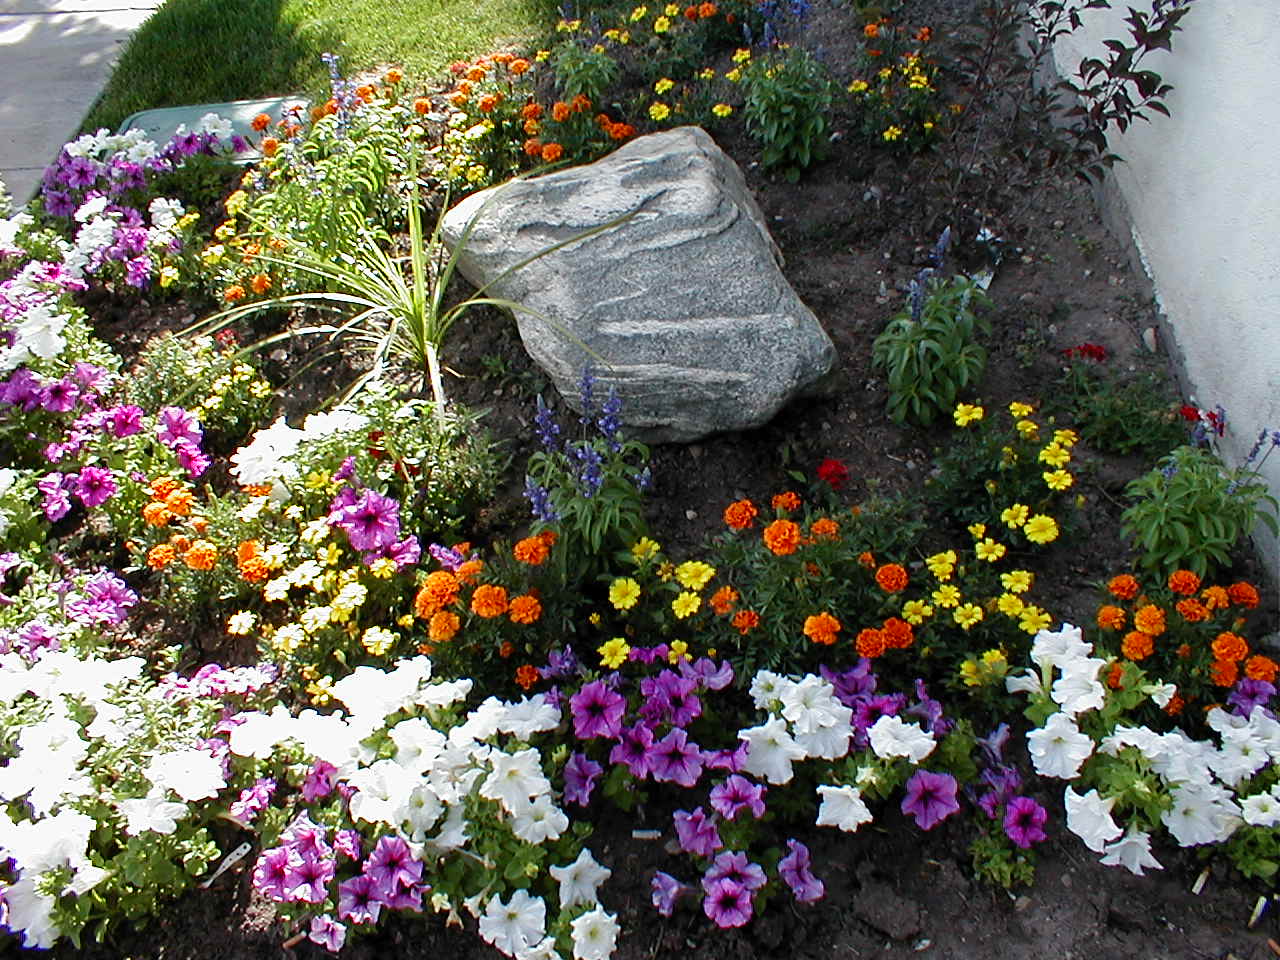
x=691, y=514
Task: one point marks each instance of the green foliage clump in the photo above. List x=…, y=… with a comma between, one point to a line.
x=789, y=95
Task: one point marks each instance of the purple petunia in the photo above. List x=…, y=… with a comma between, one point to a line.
x=795, y=870
x=727, y=903
x=358, y=900
x=580, y=775
x=328, y=933
x=95, y=486
x=271, y=872
x=1024, y=821
x=1250, y=693
x=319, y=781
x=852, y=684
x=734, y=865
x=105, y=600
x=930, y=798
x=372, y=522
x=393, y=866
x=675, y=759
x=698, y=835
x=253, y=800
x=665, y=891
x=597, y=711
x=308, y=877
x=175, y=424
x=738, y=794
x=632, y=749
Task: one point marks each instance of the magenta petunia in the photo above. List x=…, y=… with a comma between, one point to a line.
x=1024, y=822
x=930, y=798
x=580, y=775
x=738, y=794
x=372, y=522
x=697, y=834
x=597, y=711
x=95, y=486
x=727, y=903
x=675, y=759
x=795, y=870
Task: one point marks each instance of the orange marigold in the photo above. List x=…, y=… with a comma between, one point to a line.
x=160, y=556
x=180, y=543
x=1259, y=667
x=1123, y=587
x=488, y=102
x=1184, y=582
x=898, y=634
x=531, y=111
x=469, y=570
x=1115, y=675
x=691, y=13
x=866, y=559
x=1243, y=594
x=1230, y=647
x=178, y=502
x=1175, y=705
x=1192, y=610
x=788, y=501
x=518, y=66
x=707, y=10
x=392, y=76
x=476, y=74
x=1137, y=645
x=422, y=106
x=1183, y=651
x=782, y=537
x=551, y=152
x=892, y=578
x=1111, y=618
x=531, y=550
x=560, y=111
x=533, y=147
x=444, y=626
x=260, y=283
x=506, y=649
x=527, y=675
x=161, y=487
x=201, y=555
x=1223, y=673
x=489, y=600
x=1215, y=598
x=438, y=591
x=233, y=293
x=155, y=514
x=1150, y=619
x=744, y=621
x=580, y=104
x=869, y=643
x=723, y=600
x=740, y=515
x=525, y=609
x=270, y=146
x=260, y=122
x=246, y=549
x=824, y=528
x=822, y=628
x=254, y=570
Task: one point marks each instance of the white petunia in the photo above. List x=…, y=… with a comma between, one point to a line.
x=1026, y=682
x=766, y=687
x=891, y=737
x=1089, y=818
x=421, y=810
x=417, y=744
x=516, y=926
x=809, y=704
x=842, y=807
x=1057, y=648
x=382, y=792
x=515, y=778
x=1078, y=689
x=191, y=774
x=1201, y=813
x=1133, y=852
x=580, y=880
x=595, y=935
x=154, y=814
x=1261, y=810
x=30, y=912
x=531, y=715
x=770, y=751
x=264, y=459
x=1058, y=748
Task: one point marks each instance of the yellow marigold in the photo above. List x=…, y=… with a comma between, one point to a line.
x=964, y=413
x=1041, y=529
x=1137, y=645
x=1033, y=620
x=1018, y=410
x=644, y=549
x=1065, y=438
x=967, y=615
x=1017, y=581
x=1028, y=429
x=946, y=596
x=722, y=110
x=740, y=515
x=623, y=593
x=1123, y=587
x=891, y=578
x=663, y=85
x=686, y=604
x=1058, y=479
x=662, y=25
x=694, y=574
x=1055, y=455
x=1014, y=516
x=531, y=550
x=1111, y=618
x=1149, y=619
x=782, y=537
x=989, y=550
x=613, y=653
x=1010, y=604
x=822, y=628
x=741, y=55
x=202, y=555
x=1230, y=647
x=916, y=611
x=444, y=626
x=942, y=565
x=524, y=609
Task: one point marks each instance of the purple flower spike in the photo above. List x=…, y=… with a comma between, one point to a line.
x=794, y=869
x=727, y=903
x=697, y=834
x=930, y=798
x=1024, y=821
x=597, y=711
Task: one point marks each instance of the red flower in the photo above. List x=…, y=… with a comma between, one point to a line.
x=834, y=473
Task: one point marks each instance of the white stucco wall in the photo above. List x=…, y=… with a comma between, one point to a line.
x=1202, y=190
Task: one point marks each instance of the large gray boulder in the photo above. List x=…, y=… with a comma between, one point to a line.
x=683, y=307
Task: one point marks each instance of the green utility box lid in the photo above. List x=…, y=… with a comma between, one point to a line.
x=162, y=123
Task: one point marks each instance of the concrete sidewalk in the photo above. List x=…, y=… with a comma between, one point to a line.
x=55, y=57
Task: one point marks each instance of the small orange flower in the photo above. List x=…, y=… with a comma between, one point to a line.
x=531, y=550
x=422, y=106
x=444, y=626
x=531, y=111
x=740, y=515
x=898, y=634
x=202, y=555
x=1184, y=582
x=924, y=35
x=1243, y=594
x=744, y=621
x=1115, y=676
x=503, y=57
x=469, y=570
x=518, y=66
x=867, y=559
x=1215, y=598
x=1230, y=647
x=525, y=609
x=161, y=487
x=233, y=293
x=1149, y=619
x=892, y=578
x=392, y=77
x=579, y=104
x=1183, y=651
x=824, y=528
x=506, y=650
x=488, y=102
x=1175, y=705
x=691, y=13
x=489, y=600
x=458, y=99
x=1111, y=618
x=782, y=537
x=707, y=10
x=621, y=131
x=476, y=74
x=560, y=111
x=552, y=152
x=180, y=543
x=439, y=590
x=549, y=537
x=723, y=600
x=1137, y=645
x=1223, y=673
x=253, y=570
x=1259, y=667
x=1192, y=610
x=260, y=122
x=869, y=643
x=247, y=550
x=260, y=283
x=330, y=107
x=871, y=31
x=160, y=556
x=527, y=675
x=822, y=628
x=788, y=501
x=533, y=148
x=155, y=514
x=1123, y=587
x=199, y=524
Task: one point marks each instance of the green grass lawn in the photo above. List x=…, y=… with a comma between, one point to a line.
x=203, y=51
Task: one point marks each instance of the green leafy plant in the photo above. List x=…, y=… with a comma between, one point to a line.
x=1191, y=511
x=929, y=352
x=789, y=96
x=1120, y=413
x=581, y=70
